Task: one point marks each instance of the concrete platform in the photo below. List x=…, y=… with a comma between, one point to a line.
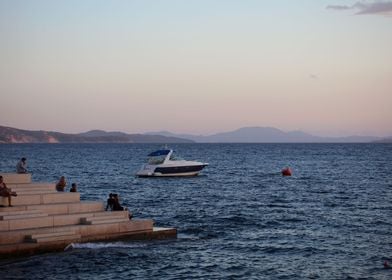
x=60, y=208
x=35, y=185
x=49, y=187
x=15, y=216
x=41, y=198
x=55, y=236
x=44, y=220
x=13, y=178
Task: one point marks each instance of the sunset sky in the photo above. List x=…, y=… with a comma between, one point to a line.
x=195, y=66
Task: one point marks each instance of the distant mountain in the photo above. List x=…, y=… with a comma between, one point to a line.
x=102, y=133
x=195, y=138
x=14, y=135
x=241, y=135
x=267, y=135
x=384, y=140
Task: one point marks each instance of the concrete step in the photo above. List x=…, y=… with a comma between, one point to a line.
x=22, y=216
x=74, y=219
x=97, y=231
x=51, y=237
x=33, y=192
x=111, y=214
x=108, y=229
x=45, y=198
x=29, y=221
x=26, y=248
x=102, y=220
x=14, y=178
x=19, y=212
x=26, y=223
x=60, y=208
x=51, y=234
x=32, y=186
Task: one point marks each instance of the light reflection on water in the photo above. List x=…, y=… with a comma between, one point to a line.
x=240, y=219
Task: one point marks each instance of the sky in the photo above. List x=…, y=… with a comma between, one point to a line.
x=197, y=66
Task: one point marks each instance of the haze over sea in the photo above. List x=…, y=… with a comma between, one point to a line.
x=240, y=219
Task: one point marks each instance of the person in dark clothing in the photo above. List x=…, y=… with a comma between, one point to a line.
x=6, y=192
x=21, y=166
x=73, y=188
x=117, y=206
x=61, y=184
x=110, y=202
x=116, y=203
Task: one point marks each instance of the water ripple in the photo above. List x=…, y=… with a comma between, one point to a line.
x=240, y=220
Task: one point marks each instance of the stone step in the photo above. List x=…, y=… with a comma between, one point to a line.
x=74, y=219
x=29, y=221
x=99, y=230
x=52, y=237
x=42, y=235
x=26, y=223
x=32, y=192
x=32, y=186
x=14, y=178
x=107, y=229
x=60, y=208
x=102, y=220
x=19, y=212
x=70, y=238
x=111, y=214
x=45, y=198
x=22, y=216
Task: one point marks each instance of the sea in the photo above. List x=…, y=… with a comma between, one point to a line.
x=239, y=219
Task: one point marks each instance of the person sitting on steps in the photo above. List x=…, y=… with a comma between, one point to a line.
x=6, y=192
x=73, y=188
x=117, y=206
x=116, y=203
x=21, y=166
x=61, y=184
x=110, y=202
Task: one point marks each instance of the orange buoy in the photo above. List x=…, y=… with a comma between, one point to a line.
x=387, y=265
x=286, y=171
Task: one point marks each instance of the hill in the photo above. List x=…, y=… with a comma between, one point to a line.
x=14, y=135
x=267, y=135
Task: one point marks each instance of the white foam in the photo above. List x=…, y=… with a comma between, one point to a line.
x=94, y=246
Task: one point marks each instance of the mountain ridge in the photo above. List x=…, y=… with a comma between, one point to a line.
x=253, y=134
x=9, y=135
x=256, y=134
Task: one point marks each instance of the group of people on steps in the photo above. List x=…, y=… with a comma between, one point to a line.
x=113, y=202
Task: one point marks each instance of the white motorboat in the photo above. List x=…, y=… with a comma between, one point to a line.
x=162, y=163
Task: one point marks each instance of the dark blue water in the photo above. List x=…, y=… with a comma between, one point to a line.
x=240, y=219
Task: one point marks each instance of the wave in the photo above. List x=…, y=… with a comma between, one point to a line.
x=97, y=246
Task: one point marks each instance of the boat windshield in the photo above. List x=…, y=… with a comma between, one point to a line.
x=173, y=157
x=156, y=160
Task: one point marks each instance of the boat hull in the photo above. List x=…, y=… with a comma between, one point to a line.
x=171, y=171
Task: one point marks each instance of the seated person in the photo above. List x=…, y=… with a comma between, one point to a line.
x=60, y=186
x=116, y=203
x=110, y=202
x=21, y=166
x=117, y=206
x=6, y=192
x=73, y=188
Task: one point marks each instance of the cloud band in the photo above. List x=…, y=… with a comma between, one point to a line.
x=367, y=8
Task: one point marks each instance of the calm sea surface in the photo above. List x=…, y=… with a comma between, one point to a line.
x=240, y=219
